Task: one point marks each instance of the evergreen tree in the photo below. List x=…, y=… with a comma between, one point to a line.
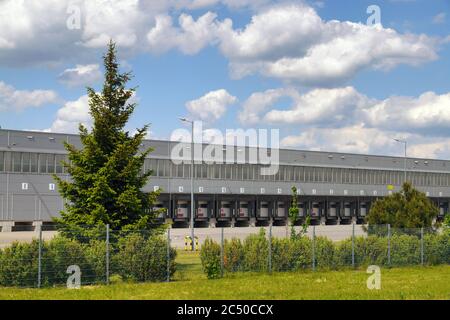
x=106, y=177
x=409, y=208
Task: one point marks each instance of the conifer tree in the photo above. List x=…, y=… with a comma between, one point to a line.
x=408, y=208
x=106, y=177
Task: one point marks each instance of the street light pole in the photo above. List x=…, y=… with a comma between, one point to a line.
x=192, y=181
x=406, y=145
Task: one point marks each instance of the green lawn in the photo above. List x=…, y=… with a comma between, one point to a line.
x=190, y=283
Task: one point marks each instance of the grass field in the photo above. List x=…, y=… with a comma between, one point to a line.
x=190, y=283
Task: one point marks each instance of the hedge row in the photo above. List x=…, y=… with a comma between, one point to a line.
x=252, y=254
x=134, y=257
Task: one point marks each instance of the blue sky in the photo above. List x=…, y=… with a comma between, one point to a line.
x=327, y=80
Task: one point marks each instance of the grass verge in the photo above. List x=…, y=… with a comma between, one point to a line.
x=190, y=283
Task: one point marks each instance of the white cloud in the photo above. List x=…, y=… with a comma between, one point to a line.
x=212, y=106
x=259, y=102
x=18, y=100
x=342, y=119
x=291, y=42
x=321, y=106
x=354, y=139
x=190, y=37
x=362, y=140
x=71, y=115
x=81, y=75
x=36, y=32
x=285, y=40
x=440, y=18
x=429, y=113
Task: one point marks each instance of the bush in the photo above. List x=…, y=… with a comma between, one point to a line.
x=296, y=253
x=405, y=250
x=60, y=253
x=324, y=253
x=233, y=255
x=142, y=259
x=136, y=258
x=291, y=254
x=19, y=264
x=437, y=248
x=210, y=257
x=256, y=248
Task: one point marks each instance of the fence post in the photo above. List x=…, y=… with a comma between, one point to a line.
x=107, y=254
x=221, y=252
x=389, y=244
x=270, y=247
x=421, y=247
x=40, y=257
x=353, y=244
x=168, y=254
x=314, y=249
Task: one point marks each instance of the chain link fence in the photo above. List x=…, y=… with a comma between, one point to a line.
x=89, y=256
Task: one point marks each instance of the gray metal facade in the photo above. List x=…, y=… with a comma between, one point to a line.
x=28, y=193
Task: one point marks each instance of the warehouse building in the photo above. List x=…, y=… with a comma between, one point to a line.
x=333, y=188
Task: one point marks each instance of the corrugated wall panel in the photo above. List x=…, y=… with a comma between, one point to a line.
x=23, y=207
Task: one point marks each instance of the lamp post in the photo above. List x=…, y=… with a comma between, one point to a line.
x=406, y=144
x=192, y=180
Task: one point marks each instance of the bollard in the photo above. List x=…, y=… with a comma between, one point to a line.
x=196, y=243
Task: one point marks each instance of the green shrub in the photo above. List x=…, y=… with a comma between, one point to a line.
x=256, y=248
x=143, y=259
x=95, y=253
x=301, y=249
x=19, y=264
x=233, y=255
x=437, y=248
x=60, y=253
x=405, y=250
x=324, y=253
x=210, y=258
x=343, y=253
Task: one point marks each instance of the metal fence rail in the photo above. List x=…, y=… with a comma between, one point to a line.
x=102, y=256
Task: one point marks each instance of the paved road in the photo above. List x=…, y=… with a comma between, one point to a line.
x=335, y=233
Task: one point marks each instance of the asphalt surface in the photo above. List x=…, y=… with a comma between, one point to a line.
x=334, y=233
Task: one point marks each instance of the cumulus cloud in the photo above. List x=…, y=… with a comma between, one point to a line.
x=71, y=115
x=343, y=119
x=363, y=140
x=212, y=106
x=190, y=37
x=74, y=112
x=291, y=42
x=81, y=75
x=12, y=99
x=286, y=41
x=259, y=102
x=429, y=113
x=37, y=32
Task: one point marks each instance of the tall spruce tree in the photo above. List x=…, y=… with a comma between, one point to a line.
x=106, y=177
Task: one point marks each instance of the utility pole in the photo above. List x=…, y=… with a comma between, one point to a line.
x=406, y=145
x=192, y=180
